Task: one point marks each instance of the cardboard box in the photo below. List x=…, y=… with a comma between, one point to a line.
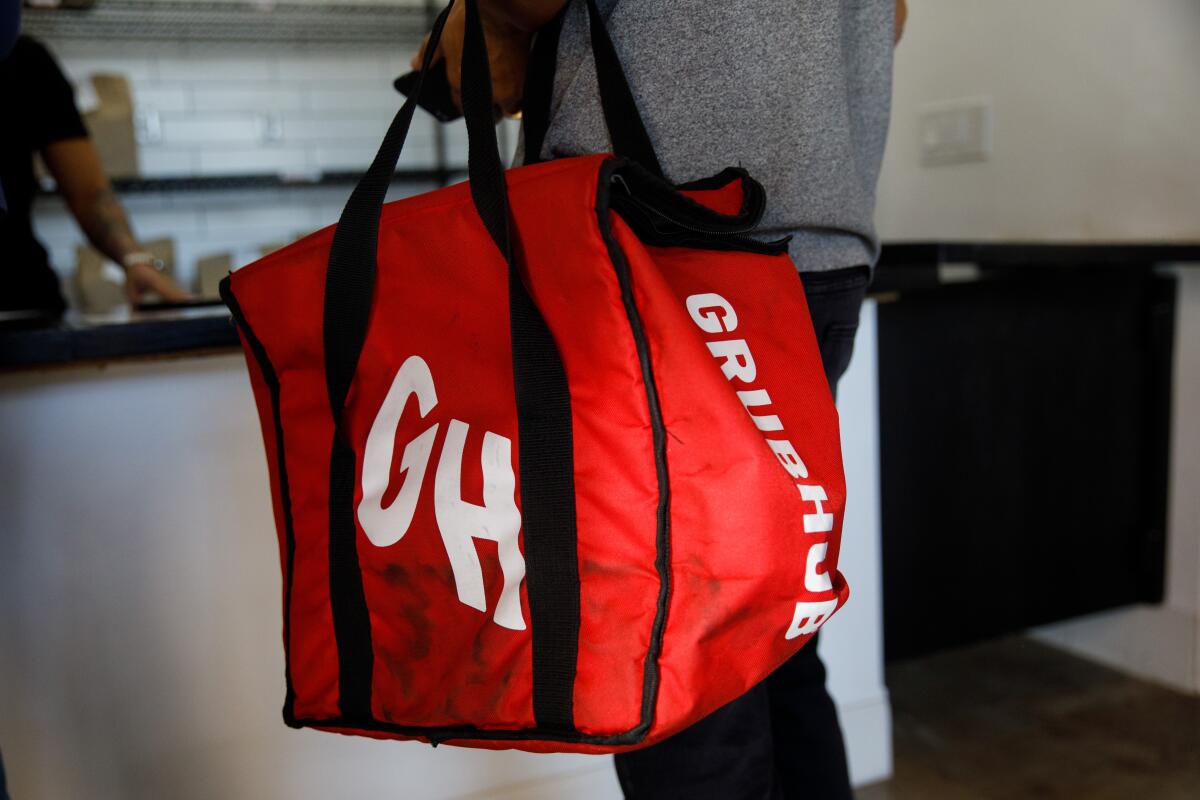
x=210, y=271
x=110, y=123
x=100, y=284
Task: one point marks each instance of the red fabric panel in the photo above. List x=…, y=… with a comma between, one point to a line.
x=281, y=297
x=738, y=546
x=440, y=296
x=266, y=418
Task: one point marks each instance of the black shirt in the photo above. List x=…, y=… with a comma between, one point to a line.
x=38, y=107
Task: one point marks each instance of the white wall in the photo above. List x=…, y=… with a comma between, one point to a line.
x=1096, y=114
x=140, y=593
x=1096, y=108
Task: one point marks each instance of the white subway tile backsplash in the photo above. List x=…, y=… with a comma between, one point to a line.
x=381, y=98
x=211, y=129
x=157, y=162
x=326, y=66
x=267, y=97
x=151, y=96
x=343, y=158
x=227, y=222
x=417, y=155
x=212, y=68
x=174, y=222
x=456, y=143
x=134, y=68
x=358, y=156
x=252, y=161
x=361, y=126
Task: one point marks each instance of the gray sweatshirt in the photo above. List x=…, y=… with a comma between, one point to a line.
x=796, y=91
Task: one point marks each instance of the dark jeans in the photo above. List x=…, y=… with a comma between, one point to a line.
x=781, y=739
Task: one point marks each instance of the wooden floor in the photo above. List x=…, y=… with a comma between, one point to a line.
x=1017, y=719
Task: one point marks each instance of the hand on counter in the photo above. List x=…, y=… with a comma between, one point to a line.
x=142, y=276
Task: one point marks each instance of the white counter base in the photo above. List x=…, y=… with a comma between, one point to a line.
x=140, y=650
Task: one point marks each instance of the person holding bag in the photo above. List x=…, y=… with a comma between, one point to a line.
x=799, y=94
x=553, y=453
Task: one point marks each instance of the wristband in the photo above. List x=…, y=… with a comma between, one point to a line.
x=142, y=257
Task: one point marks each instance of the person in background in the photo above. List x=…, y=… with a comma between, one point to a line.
x=40, y=117
x=799, y=93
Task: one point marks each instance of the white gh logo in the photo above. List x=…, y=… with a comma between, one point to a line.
x=459, y=522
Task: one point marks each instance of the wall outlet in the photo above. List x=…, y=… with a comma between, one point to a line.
x=956, y=132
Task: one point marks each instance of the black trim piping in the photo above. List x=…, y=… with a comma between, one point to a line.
x=659, y=432
x=271, y=379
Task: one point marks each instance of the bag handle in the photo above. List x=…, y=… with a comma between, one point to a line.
x=350, y=277
x=543, y=405
x=626, y=130
x=350, y=274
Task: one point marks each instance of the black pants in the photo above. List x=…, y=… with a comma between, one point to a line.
x=781, y=739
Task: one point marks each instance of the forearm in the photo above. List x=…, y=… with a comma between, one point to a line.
x=104, y=222
x=83, y=184
x=89, y=195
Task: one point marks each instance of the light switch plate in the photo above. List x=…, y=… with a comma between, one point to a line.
x=956, y=132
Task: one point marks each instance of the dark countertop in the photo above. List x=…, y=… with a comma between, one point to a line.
x=905, y=266
x=1030, y=254
x=206, y=328
x=143, y=333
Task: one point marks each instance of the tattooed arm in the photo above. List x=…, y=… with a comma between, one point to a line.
x=87, y=192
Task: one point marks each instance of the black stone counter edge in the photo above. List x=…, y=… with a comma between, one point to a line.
x=64, y=345
x=917, y=265
x=901, y=266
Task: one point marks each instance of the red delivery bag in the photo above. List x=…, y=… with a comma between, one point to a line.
x=553, y=458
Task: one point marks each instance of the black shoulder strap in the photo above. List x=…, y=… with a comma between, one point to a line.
x=626, y=129
x=349, y=292
x=539, y=88
x=625, y=126
x=350, y=277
